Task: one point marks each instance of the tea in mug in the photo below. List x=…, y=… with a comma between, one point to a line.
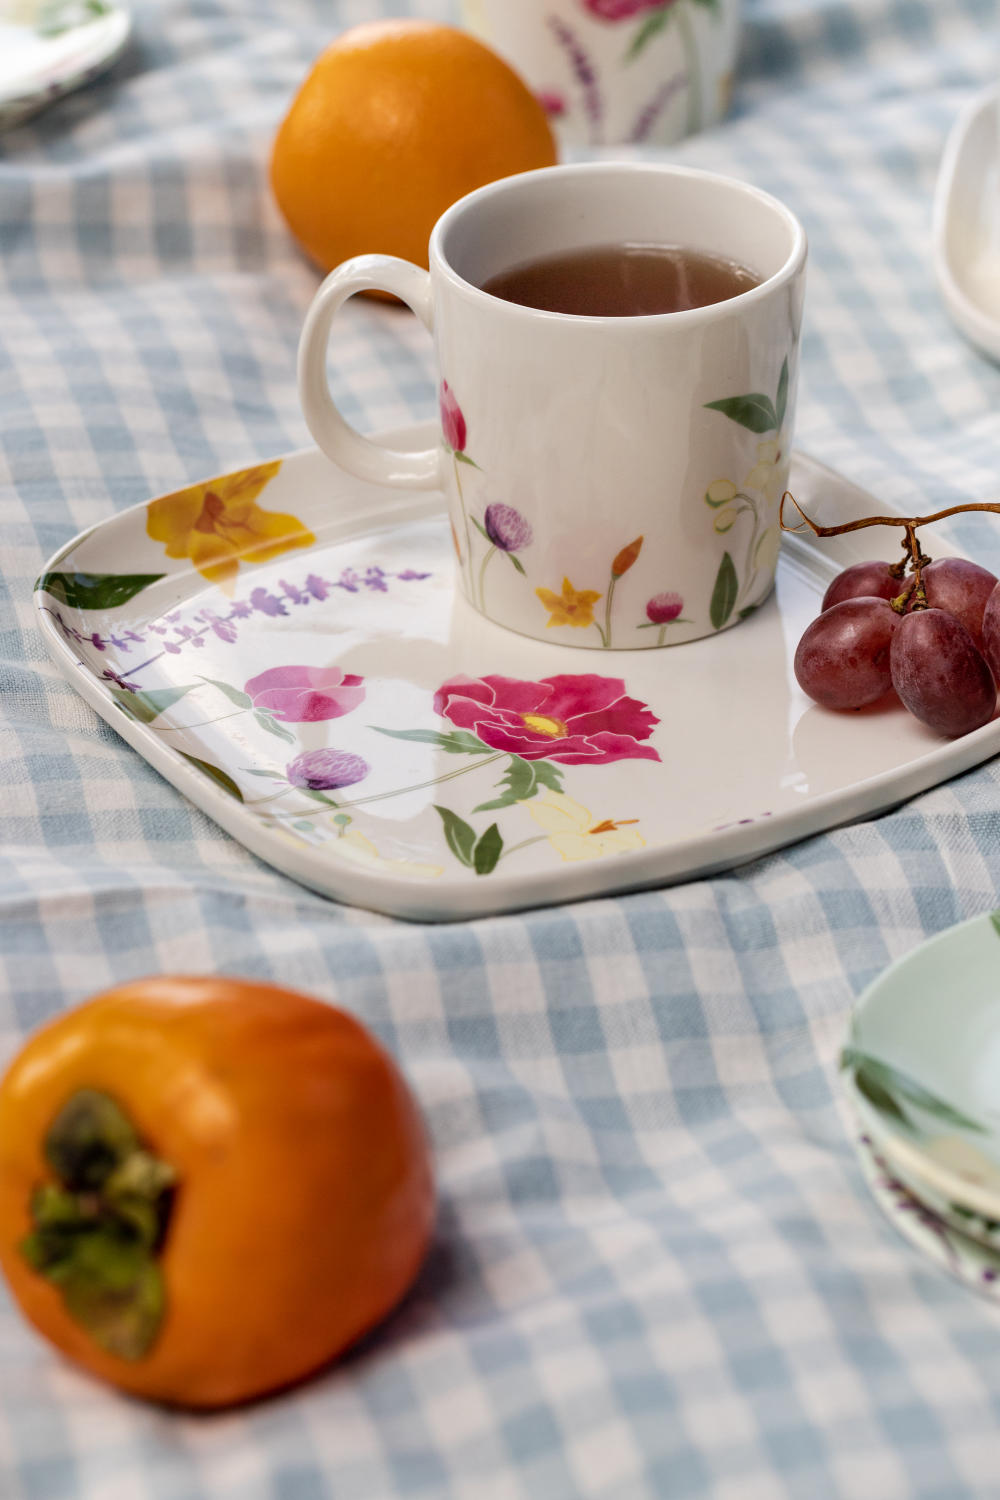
x=622, y=281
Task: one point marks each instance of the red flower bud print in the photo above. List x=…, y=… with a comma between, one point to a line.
x=623, y=10
x=452, y=420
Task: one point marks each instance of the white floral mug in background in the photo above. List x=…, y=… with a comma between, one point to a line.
x=614, y=71
x=612, y=481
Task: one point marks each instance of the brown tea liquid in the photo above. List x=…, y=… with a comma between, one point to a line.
x=622, y=281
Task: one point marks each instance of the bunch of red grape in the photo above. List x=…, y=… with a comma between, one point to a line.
x=932, y=635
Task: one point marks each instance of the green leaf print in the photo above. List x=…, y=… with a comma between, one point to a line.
x=781, y=401
x=145, y=707
x=487, y=851
x=651, y=27
x=755, y=411
x=724, y=593
x=461, y=838
x=95, y=590
x=214, y=773
x=883, y=1079
x=458, y=742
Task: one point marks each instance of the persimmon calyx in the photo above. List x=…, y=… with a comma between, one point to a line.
x=99, y=1228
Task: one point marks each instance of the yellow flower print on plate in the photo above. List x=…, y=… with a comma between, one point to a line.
x=572, y=607
x=218, y=525
x=574, y=832
x=361, y=851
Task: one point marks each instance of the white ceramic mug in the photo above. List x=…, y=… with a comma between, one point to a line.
x=612, y=481
x=611, y=71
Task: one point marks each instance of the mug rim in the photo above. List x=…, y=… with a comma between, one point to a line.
x=686, y=317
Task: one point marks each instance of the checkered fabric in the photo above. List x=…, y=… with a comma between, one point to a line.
x=656, y=1271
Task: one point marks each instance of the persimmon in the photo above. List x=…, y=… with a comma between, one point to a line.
x=209, y=1187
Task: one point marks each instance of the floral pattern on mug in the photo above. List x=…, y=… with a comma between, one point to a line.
x=663, y=610
x=218, y=524
x=455, y=435
x=623, y=10
x=575, y=607
x=591, y=75
x=452, y=420
x=570, y=607
x=508, y=532
x=756, y=499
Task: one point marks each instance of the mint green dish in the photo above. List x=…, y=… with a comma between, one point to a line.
x=940, y=1239
x=921, y=1067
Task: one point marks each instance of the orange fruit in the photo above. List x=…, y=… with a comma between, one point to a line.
x=209, y=1187
x=395, y=122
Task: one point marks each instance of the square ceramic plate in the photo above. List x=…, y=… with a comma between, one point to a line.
x=333, y=703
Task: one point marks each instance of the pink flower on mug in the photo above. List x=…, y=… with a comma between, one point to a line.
x=575, y=719
x=326, y=770
x=306, y=695
x=663, y=608
x=507, y=528
x=553, y=103
x=623, y=10
x=452, y=420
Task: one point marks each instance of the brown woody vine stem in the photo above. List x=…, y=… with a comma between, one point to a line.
x=914, y=521
x=913, y=596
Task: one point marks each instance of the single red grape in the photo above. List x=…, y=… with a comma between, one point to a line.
x=939, y=673
x=869, y=580
x=991, y=632
x=842, y=660
x=961, y=588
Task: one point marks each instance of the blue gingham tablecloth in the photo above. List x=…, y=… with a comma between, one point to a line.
x=656, y=1271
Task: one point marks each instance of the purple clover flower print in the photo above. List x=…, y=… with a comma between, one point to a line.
x=306, y=695
x=508, y=532
x=663, y=608
x=507, y=528
x=326, y=770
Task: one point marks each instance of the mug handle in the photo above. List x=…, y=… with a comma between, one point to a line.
x=336, y=437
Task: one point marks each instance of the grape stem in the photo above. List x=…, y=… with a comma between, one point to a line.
x=914, y=597
x=908, y=521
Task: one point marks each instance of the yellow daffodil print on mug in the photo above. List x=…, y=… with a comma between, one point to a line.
x=572, y=607
x=218, y=524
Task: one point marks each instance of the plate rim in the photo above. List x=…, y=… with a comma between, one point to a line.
x=963, y=1264
x=970, y=318
x=35, y=90
x=908, y=1156
x=454, y=898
